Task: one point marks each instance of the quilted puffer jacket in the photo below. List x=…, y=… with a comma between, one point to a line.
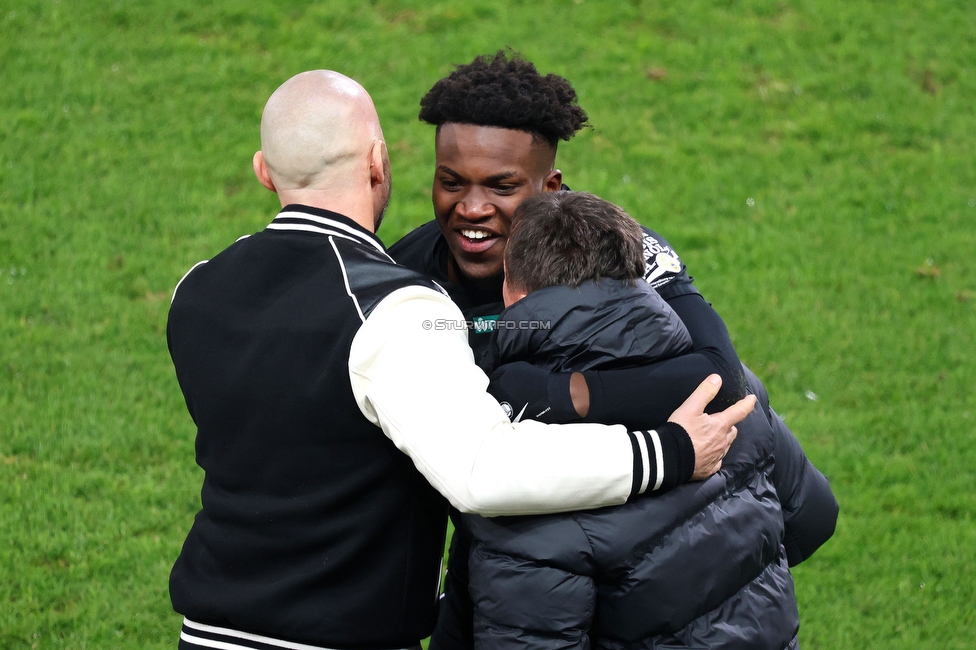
x=702, y=566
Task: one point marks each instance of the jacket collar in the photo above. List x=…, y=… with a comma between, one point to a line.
x=305, y=218
x=600, y=324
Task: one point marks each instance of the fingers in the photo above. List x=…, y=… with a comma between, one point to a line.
x=711, y=435
x=733, y=432
x=705, y=393
x=729, y=439
x=738, y=411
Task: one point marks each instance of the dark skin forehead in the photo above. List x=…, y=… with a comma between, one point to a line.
x=496, y=153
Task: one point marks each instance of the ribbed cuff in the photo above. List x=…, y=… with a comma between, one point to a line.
x=663, y=458
x=681, y=464
x=560, y=400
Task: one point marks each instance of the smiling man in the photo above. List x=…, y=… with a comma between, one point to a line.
x=498, y=125
x=483, y=173
x=496, y=146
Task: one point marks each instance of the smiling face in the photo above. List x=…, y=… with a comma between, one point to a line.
x=482, y=174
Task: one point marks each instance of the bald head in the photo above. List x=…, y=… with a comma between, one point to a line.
x=317, y=128
x=322, y=146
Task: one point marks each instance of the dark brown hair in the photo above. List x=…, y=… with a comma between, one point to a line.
x=571, y=237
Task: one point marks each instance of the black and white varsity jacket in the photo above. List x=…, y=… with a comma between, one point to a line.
x=336, y=400
x=306, y=504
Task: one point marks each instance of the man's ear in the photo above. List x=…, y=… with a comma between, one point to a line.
x=510, y=295
x=554, y=181
x=378, y=169
x=262, y=172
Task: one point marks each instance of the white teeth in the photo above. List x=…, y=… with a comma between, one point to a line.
x=475, y=234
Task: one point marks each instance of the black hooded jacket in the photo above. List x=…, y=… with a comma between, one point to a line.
x=702, y=566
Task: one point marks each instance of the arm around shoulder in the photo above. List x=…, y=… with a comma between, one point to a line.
x=413, y=374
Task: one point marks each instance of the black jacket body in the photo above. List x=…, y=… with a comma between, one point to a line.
x=702, y=566
x=314, y=527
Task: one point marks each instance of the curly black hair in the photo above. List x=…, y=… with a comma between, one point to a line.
x=506, y=92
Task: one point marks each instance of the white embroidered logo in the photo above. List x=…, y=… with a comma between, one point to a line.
x=661, y=263
x=509, y=411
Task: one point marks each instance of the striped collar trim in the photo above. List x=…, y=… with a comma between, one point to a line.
x=223, y=638
x=299, y=220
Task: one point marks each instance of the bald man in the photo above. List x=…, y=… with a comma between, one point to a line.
x=338, y=410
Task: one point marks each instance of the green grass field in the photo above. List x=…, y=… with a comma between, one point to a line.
x=813, y=163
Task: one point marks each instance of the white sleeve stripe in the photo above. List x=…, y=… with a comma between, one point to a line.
x=345, y=280
x=645, y=461
x=659, y=454
x=184, y=278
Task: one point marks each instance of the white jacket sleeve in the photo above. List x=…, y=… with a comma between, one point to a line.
x=417, y=380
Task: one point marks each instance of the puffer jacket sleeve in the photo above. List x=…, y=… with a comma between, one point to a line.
x=809, y=507
x=544, y=603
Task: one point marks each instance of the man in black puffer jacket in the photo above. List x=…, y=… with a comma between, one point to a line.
x=704, y=565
